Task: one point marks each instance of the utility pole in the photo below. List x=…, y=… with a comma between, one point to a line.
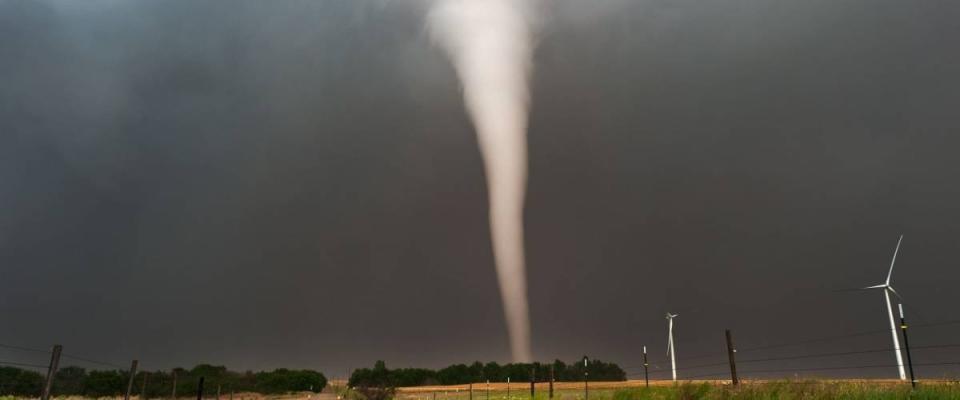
x=470, y=387
x=551, y=381
x=51, y=371
x=133, y=373
x=733, y=362
x=488, y=389
x=174, y=395
x=200, y=389
x=906, y=345
x=586, y=387
x=646, y=365
x=143, y=389
x=508, y=388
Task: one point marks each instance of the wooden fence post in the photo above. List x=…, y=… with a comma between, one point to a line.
x=51, y=371
x=731, y=352
x=133, y=373
x=551, y=381
x=200, y=389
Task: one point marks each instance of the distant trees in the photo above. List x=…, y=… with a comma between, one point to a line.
x=479, y=372
x=107, y=383
x=289, y=380
x=19, y=382
x=69, y=380
x=102, y=384
x=378, y=383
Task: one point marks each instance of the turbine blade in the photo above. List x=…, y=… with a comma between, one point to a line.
x=880, y=286
x=890, y=288
x=892, y=261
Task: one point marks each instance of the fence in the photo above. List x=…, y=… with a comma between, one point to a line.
x=725, y=362
x=747, y=362
x=29, y=377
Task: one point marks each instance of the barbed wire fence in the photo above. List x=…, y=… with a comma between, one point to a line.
x=696, y=371
x=712, y=365
x=48, y=362
x=754, y=360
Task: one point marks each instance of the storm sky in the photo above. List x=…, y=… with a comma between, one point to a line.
x=296, y=184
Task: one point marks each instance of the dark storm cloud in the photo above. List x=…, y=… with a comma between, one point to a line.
x=295, y=183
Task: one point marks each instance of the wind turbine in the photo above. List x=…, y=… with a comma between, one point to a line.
x=673, y=358
x=887, y=289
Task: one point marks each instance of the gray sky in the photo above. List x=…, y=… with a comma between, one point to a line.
x=264, y=184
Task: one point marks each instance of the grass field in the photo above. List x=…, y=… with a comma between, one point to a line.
x=634, y=390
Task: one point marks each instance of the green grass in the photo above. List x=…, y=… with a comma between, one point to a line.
x=791, y=391
x=780, y=390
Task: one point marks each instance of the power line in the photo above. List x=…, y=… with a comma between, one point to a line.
x=23, y=364
x=78, y=358
x=951, y=322
x=694, y=367
x=822, y=339
x=935, y=346
x=698, y=357
x=844, y=353
x=9, y=346
x=35, y=350
x=939, y=346
x=93, y=361
x=865, y=333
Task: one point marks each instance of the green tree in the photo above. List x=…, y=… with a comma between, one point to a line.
x=103, y=383
x=374, y=384
x=19, y=382
x=68, y=381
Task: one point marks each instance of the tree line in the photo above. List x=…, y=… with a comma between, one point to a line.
x=381, y=376
x=76, y=381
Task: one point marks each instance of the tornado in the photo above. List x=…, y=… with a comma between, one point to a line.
x=489, y=43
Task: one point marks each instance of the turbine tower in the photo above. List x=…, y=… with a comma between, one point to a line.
x=887, y=289
x=673, y=358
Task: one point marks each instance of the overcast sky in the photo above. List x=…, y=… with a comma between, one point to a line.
x=266, y=184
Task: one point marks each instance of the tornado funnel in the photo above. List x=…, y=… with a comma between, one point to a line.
x=489, y=43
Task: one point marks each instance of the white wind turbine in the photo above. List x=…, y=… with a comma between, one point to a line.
x=673, y=358
x=887, y=289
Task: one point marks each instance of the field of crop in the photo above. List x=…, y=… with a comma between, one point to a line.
x=668, y=390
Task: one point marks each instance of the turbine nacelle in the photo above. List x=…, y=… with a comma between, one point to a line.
x=886, y=287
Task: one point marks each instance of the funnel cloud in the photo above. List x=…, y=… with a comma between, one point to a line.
x=489, y=43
